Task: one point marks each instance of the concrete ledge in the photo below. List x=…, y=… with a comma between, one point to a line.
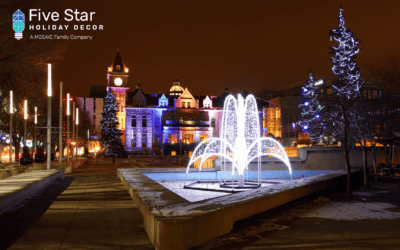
x=16, y=189
x=171, y=222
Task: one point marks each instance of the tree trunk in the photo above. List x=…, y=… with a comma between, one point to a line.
x=366, y=184
x=346, y=158
x=374, y=156
x=348, y=169
x=17, y=146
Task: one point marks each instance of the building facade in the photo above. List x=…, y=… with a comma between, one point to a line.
x=172, y=123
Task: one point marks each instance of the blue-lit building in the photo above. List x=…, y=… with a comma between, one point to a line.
x=172, y=123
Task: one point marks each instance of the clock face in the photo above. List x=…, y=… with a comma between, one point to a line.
x=118, y=81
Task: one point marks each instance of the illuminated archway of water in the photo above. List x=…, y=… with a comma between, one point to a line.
x=240, y=141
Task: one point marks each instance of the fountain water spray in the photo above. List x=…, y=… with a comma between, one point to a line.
x=240, y=142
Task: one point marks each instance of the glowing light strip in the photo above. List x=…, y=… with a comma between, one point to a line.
x=77, y=116
x=11, y=103
x=319, y=82
x=26, y=109
x=67, y=104
x=35, y=115
x=49, y=79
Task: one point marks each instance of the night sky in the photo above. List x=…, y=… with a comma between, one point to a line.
x=210, y=45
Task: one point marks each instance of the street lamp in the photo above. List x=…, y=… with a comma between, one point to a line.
x=35, y=127
x=11, y=122
x=60, y=151
x=49, y=117
x=68, y=127
x=73, y=130
x=25, y=118
x=76, y=137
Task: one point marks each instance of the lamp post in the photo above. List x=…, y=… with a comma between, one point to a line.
x=25, y=118
x=60, y=154
x=73, y=130
x=88, y=135
x=11, y=122
x=35, y=142
x=49, y=117
x=76, y=137
x=68, y=127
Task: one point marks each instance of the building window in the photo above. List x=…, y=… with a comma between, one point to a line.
x=201, y=118
x=172, y=138
x=183, y=104
x=118, y=67
x=213, y=122
x=144, y=140
x=203, y=137
x=190, y=118
x=94, y=118
x=133, y=125
x=173, y=152
x=136, y=103
x=181, y=119
x=144, y=121
x=134, y=141
x=189, y=104
x=141, y=102
x=169, y=118
x=188, y=138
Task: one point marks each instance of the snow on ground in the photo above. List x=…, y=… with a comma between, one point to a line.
x=355, y=211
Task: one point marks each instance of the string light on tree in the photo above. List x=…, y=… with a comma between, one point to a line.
x=309, y=108
x=110, y=134
x=344, y=66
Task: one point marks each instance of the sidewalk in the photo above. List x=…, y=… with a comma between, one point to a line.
x=91, y=209
x=93, y=212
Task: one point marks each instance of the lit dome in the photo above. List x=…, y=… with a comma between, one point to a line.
x=176, y=89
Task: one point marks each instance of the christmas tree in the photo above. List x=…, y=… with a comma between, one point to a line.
x=347, y=84
x=311, y=109
x=110, y=134
x=339, y=112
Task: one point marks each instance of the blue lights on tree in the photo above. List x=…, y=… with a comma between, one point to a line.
x=310, y=108
x=110, y=134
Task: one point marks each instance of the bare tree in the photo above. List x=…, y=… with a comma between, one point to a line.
x=23, y=65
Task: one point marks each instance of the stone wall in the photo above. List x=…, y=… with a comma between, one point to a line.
x=322, y=158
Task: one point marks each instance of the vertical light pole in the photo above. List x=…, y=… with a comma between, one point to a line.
x=88, y=135
x=68, y=128
x=35, y=129
x=11, y=123
x=60, y=154
x=25, y=118
x=76, y=137
x=73, y=130
x=49, y=117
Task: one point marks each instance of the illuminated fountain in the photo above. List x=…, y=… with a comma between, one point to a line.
x=239, y=144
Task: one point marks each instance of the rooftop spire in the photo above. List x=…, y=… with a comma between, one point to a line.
x=118, y=65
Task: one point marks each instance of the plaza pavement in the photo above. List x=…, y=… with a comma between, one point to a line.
x=91, y=209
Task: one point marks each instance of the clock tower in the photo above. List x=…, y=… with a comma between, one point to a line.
x=117, y=78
